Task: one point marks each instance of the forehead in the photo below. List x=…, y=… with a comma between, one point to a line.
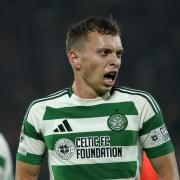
x=98, y=40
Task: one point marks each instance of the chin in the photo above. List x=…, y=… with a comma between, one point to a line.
x=103, y=90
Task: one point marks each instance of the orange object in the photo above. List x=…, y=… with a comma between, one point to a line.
x=148, y=172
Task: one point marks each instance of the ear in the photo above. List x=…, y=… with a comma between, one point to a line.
x=74, y=59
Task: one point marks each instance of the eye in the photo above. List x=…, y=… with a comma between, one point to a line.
x=119, y=54
x=104, y=52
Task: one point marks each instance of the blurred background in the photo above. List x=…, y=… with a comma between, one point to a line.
x=33, y=61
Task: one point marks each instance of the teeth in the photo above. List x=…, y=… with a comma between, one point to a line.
x=108, y=81
x=111, y=73
x=108, y=78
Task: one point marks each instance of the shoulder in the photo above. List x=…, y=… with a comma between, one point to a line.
x=4, y=143
x=137, y=95
x=40, y=104
x=49, y=99
x=133, y=92
x=2, y=138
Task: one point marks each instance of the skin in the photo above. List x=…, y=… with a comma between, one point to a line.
x=166, y=167
x=101, y=54
x=26, y=171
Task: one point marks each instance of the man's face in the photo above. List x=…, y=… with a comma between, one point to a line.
x=100, y=61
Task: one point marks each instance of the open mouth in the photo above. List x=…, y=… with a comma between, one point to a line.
x=109, y=78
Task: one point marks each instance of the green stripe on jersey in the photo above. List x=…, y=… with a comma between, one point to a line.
x=147, y=94
x=144, y=94
x=30, y=131
x=153, y=123
x=122, y=138
x=100, y=171
x=2, y=162
x=160, y=150
x=100, y=110
x=61, y=93
x=30, y=158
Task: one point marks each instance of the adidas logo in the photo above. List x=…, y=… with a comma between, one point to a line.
x=65, y=126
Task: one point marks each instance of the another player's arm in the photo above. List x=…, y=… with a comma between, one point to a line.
x=26, y=171
x=166, y=167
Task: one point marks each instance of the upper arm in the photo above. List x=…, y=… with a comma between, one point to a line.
x=156, y=142
x=26, y=171
x=166, y=166
x=154, y=136
x=32, y=147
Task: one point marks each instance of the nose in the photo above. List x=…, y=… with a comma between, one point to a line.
x=115, y=61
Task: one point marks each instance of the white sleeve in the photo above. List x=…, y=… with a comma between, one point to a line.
x=6, y=165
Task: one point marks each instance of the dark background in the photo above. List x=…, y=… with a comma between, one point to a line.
x=33, y=61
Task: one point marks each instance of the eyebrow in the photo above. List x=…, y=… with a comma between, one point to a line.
x=120, y=51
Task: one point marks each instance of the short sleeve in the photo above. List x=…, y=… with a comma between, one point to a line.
x=154, y=135
x=31, y=144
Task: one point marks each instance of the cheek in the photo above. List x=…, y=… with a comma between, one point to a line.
x=92, y=73
x=91, y=65
x=120, y=62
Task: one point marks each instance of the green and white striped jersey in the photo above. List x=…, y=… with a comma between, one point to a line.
x=101, y=138
x=6, y=165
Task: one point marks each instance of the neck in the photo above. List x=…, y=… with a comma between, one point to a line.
x=83, y=92
x=86, y=91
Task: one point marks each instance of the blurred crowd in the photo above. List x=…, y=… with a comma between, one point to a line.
x=33, y=60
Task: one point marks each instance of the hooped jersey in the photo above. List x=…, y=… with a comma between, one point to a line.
x=101, y=138
x=6, y=164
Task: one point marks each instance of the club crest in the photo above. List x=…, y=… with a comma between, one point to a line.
x=117, y=122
